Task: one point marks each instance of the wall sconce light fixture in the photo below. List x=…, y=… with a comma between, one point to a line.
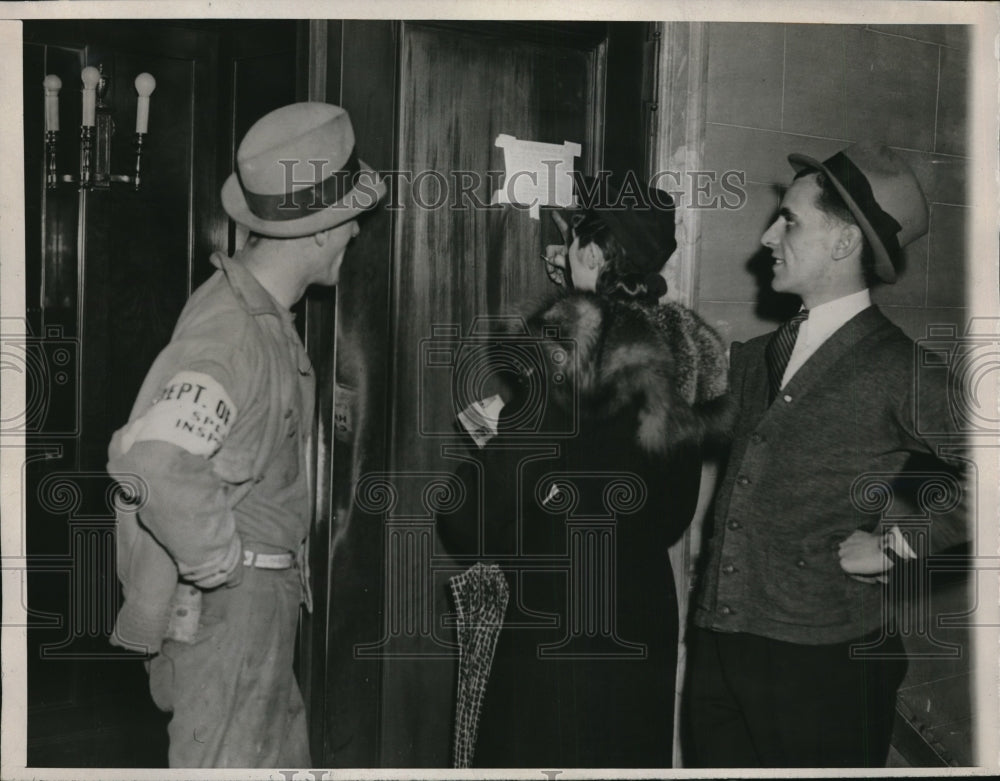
x=96, y=130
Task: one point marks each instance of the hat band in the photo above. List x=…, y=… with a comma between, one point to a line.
x=859, y=188
x=301, y=203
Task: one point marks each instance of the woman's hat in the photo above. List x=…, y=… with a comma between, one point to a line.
x=882, y=193
x=297, y=173
x=640, y=218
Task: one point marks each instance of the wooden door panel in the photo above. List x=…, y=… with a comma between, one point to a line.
x=459, y=92
x=426, y=100
x=348, y=336
x=456, y=261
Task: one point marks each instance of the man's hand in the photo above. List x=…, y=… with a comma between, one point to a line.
x=862, y=558
x=225, y=570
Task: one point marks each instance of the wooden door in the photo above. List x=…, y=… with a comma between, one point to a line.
x=428, y=101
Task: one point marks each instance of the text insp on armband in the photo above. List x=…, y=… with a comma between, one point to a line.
x=193, y=411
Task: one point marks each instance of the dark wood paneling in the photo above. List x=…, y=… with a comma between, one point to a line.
x=138, y=245
x=116, y=294
x=320, y=342
x=262, y=67
x=52, y=230
x=350, y=540
x=50, y=298
x=625, y=137
x=576, y=35
x=462, y=86
x=459, y=93
x=34, y=128
x=118, y=297
x=212, y=161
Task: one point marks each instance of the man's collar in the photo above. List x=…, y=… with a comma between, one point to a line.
x=826, y=318
x=256, y=300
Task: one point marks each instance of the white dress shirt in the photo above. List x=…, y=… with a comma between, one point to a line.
x=821, y=324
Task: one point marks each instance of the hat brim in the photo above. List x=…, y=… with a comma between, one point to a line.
x=357, y=201
x=884, y=269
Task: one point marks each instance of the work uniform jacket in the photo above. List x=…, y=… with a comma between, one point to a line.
x=849, y=443
x=214, y=451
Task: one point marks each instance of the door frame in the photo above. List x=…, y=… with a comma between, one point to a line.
x=681, y=72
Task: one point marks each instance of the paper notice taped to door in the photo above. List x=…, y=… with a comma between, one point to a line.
x=536, y=174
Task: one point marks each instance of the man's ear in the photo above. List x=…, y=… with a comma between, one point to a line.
x=849, y=240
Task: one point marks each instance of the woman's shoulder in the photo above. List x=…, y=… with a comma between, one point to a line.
x=576, y=316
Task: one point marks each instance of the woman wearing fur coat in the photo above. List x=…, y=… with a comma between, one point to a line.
x=593, y=474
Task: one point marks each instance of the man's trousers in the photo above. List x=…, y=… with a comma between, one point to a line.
x=233, y=693
x=757, y=702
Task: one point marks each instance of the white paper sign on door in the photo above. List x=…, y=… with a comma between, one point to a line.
x=536, y=174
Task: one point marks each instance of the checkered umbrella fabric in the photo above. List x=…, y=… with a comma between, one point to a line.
x=481, y=594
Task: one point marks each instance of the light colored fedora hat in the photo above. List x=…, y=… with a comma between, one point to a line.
x=297, y=173
x=882, y=193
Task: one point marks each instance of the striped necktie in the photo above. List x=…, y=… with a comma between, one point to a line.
x=779, y=350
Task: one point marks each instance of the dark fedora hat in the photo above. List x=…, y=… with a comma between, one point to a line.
x=641, y=218
x=882, y=193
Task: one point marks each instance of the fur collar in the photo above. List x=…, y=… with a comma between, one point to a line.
x=661, y=361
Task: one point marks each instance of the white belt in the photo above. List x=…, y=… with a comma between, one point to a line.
x=268, y=560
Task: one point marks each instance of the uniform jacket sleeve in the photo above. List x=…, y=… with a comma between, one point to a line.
x=184, y=502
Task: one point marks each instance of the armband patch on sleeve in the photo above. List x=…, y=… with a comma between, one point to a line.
x=193, y=411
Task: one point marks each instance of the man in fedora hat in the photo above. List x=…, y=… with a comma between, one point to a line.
x=211, y=554
x=791, y=590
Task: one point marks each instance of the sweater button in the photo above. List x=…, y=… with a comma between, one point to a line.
x=756, y=438
x=787, y=398
x=726, y=610
x=743, y=480
x=734, y=525
x=800, y=564
x=729, y=569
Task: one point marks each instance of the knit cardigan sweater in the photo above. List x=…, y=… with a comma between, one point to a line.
x=833, y=453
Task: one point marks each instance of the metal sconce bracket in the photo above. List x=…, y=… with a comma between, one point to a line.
x=96, y=132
